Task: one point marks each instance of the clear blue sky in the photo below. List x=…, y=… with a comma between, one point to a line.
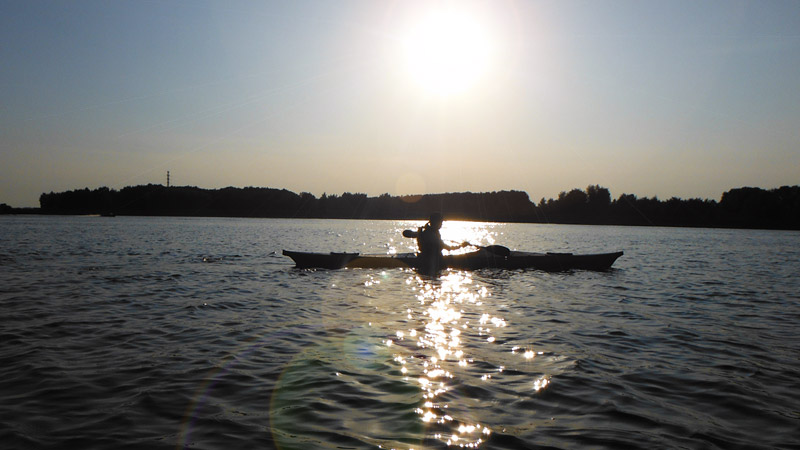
x=654, y=98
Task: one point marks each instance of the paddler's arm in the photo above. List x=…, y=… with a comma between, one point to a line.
x=411, y=234
x=455, y=247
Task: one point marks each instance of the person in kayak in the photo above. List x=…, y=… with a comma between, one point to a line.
x=431, y=245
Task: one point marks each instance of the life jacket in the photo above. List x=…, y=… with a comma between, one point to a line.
x=429, y=240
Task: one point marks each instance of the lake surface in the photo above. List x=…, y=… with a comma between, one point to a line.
x=137, y=332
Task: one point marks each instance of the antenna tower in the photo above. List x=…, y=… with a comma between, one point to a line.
x=168, y=178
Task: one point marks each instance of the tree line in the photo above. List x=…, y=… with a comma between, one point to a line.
x=746, y=207
x=157, y=200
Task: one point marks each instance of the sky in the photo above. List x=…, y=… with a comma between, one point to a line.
x=678, y=98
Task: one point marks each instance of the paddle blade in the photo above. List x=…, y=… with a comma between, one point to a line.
x=410, y=233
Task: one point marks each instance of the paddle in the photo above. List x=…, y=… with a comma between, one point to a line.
x=498, y=250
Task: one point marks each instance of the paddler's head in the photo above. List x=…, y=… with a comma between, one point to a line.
x=436, y=220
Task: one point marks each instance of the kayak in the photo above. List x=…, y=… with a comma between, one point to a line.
x=487, y=257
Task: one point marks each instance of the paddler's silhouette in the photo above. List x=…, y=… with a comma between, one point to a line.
x=429, y=241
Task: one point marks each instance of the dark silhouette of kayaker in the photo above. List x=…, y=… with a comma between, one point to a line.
x=431, y=245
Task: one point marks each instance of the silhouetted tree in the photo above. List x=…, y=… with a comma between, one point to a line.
x=599, y=203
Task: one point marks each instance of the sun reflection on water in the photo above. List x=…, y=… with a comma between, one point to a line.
x=439, y=326
x=444, y=337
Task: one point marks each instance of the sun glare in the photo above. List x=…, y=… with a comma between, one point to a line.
x=447, y=52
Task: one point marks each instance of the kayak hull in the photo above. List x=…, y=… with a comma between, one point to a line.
x=482, y=259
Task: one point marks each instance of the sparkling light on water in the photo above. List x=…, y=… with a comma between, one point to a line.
x=440, y=329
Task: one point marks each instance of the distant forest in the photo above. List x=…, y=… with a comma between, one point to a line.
x=745, y=207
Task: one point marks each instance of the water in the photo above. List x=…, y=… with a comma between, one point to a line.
x=196, y=333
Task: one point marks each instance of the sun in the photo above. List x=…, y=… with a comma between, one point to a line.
x=447, y=52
